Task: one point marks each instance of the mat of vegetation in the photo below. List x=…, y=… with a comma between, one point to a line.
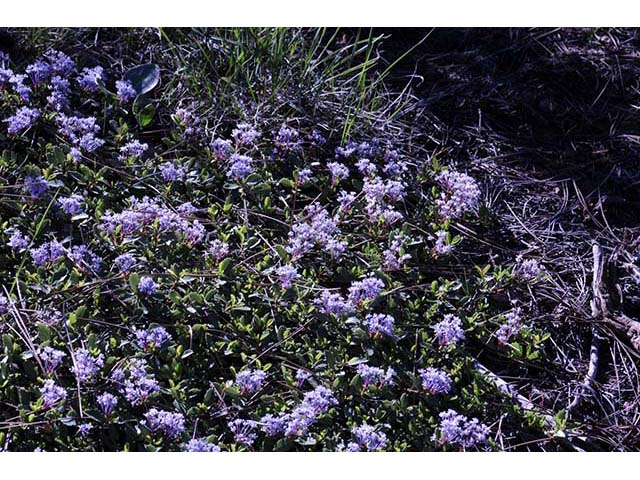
x=263, y=240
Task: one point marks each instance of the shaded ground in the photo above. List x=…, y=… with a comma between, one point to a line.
x=550, y=120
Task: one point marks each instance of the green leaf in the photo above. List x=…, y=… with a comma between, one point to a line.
x=145, y=115
x=144, y=78
x=134, y=279
x=44, y=333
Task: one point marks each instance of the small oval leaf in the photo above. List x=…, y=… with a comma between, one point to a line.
x=144, y=78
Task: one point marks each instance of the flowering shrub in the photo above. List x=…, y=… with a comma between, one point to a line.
x=244, y=284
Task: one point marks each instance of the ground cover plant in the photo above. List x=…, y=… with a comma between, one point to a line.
x=252, y=239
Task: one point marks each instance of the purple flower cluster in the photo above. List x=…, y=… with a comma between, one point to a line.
x=125, y=262
x=144, y=214
x=379, y=196
x=51, y=358
x=366, y=167
x=449, y=331
x=394, y=257
x=287, y=139
x=380, y=325
x=287, y=274
x=218, y=250
x=58, y=99
x=47, y=253
x=81, y=133
x=250, y=381
x=366, y=438
x=52, y=393
x=170, y=424
x=23, y=119
x=304, y=176
x=200, y=445
x=152, y=338
x=318, y=229
x=458, y=429
x=338, y=171
x=527, y=269
x=24, y=91
x=91, y=78
x=147, y=286
x=333, y=303
x=133, y=149
x=188, y=121
x=138, y=385
x=37, y=186
x=17, y=241
x=375, y=376
x=461, y=194
x=511, y=328
x=244, y=431
x=222, y=149
x=363, y=291
x=85, y=259
x=71, y=205
x=240, y=167
x=441, y=246
x=171, y=173
x=107, y=403
x=435, y=381
x=302, y=417
x=125, y=91
x=301, y=377
x=86, y=366
x=245, y=134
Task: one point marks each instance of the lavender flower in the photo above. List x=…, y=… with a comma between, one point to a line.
x=241, y=167
x=85, y=259
x=245, y=134
x=218, y=250
x=461, y=194
x=375, y=376
x=244, y=431
x=274, y=425
x=200, y=445
x=458, y=429
x=133, y=149
x=365, y=290
x=147, y=286
x=24, y=119
x=319, y=229
x=333, y=303
x=169, y=423
x=301, y=376
x=23, y=91
x=338, y=172
x=125, y=262
x=366, y=167
x=188, y=120
x=86, y=366
x=17, y=241
x=449, y=331
x=435, y=381
x=511, y=328
x=81, y=132
x=171, y=172
x=107, y=403
x=222, y=149
x=60, y=92
x=380, y=325
x=152, y=338
x=84, y=429
x=91, y=78
x=125, y=90
x=346, y=200
x=51, y=358
x=287, y=274
x=319, y=400
x=368, y=439
x=287, y=139
x=442, y=247
x=71, y=205
x=40, y=71
x=250, y=381
x=36, y=186
x=60, y=63
x=317, y=138
x=5, y=303
x=394, y=258
x=52, y=393
x=299, y=421
x=138, y=385
x=528, y=269
x=304, y=176
x=47, y=253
